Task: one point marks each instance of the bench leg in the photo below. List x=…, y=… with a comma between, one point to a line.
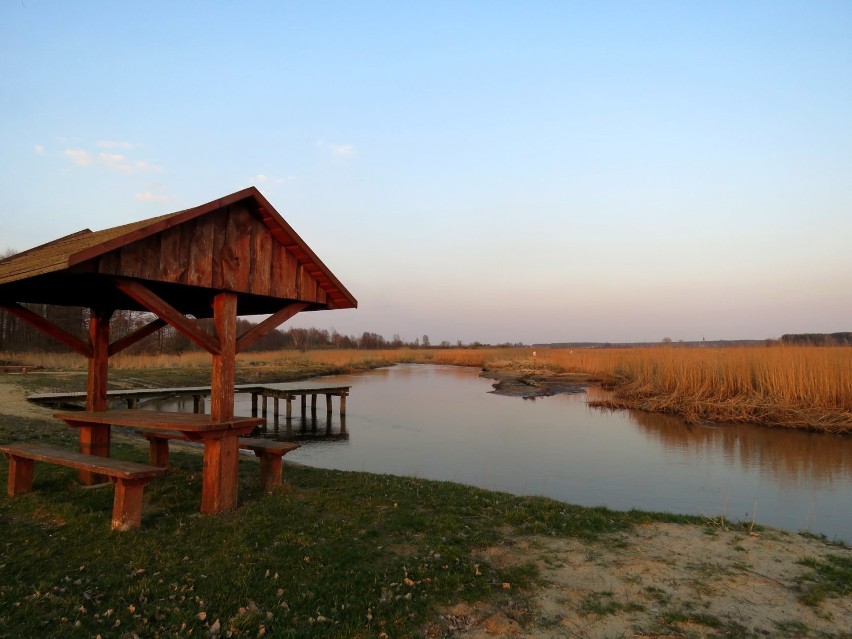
x=270, y=470
x=158, y=452
x=127, y=504
x=20, y=476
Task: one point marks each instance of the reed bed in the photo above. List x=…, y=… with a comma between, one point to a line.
x=795, y=387
x=806, y=387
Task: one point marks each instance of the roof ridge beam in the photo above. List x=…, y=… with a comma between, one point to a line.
x=169, y=314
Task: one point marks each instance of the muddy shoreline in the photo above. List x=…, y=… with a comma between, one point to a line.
x=531, y=386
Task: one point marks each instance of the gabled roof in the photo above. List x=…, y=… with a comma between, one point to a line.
x=43, y=274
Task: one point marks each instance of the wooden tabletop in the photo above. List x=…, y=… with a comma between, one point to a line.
x=153, y=420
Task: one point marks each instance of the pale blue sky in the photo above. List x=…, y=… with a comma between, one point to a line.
x=493, y=171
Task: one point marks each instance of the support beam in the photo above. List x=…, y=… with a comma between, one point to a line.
x=166, y=312
x=138, y=335
x=48, y=328
x=268, y=325
x=224, y=363
x=95, y=438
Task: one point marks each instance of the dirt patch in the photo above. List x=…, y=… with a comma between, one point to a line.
x=662, y=580
x=13, y=401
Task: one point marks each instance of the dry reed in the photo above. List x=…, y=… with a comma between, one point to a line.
x=793, y=386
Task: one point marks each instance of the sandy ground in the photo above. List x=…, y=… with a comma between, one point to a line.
x=13, y=401
x=662, y=580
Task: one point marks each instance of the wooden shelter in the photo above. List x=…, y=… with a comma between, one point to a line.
x=230, y=257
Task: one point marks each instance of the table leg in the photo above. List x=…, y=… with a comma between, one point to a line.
x=94, y=440
x=219, y=477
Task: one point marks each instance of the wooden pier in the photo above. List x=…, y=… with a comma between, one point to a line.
x=260, y=394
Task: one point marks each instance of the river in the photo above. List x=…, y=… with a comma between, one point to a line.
x=441, y=422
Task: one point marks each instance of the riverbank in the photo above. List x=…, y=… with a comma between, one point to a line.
x=805, y=388
x=339, y=554
x=797, y=387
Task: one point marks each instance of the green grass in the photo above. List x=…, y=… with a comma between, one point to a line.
x=829, y=578
x=331, y=554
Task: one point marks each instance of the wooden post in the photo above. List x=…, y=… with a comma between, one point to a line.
x=289, y=407
x=20, y=479
x=219, y=480
x=304, y=404
x=219, y=475
x=254, y=404
x=328, y=405
x=343, y=405
x=224, y=364
x=127, y=504
x=198, y=404
x=314, y=405
x=95, y=438
x=158, y=451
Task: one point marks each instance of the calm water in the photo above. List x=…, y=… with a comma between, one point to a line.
x=441, y=422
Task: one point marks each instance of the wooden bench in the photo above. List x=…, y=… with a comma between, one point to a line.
x=269, y=451
x=129, y=477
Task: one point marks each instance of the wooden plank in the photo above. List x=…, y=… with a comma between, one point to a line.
x=260, y=280
x=200, y=269
x=109, y=263
x=48, y=328
x=102, y=465
x=154, y=420
x=268, y=325
x=220, y=224
x=142, y=259
x=279, y=274
x=168, y=313
x=236, y=253
x=174, y=254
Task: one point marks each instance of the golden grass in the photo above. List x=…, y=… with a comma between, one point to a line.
x=797, y=387
x=793, y=386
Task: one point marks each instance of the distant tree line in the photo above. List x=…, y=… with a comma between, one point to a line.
x=17, y=336
x=818, y=339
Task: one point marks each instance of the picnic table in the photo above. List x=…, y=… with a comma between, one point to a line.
x=220, y=438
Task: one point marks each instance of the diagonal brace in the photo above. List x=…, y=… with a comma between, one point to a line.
x=168, y=313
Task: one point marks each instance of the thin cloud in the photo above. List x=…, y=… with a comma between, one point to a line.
x=337, y=151
x=122, y=164
x=112, y=161
x=80, y=157
x=39, y=148
x=262, y=178
x=149, y=196
x=115, y=144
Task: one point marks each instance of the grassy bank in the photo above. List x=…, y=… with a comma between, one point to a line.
x=331, y=554
x=342, y=554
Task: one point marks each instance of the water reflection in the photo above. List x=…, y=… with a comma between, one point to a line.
x=786, y=456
